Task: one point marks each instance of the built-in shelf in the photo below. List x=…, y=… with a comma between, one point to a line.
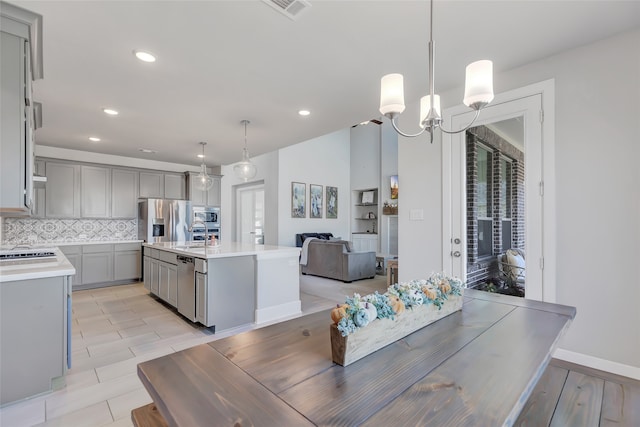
x=366, y=204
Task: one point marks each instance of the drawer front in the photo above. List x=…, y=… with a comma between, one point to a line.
x=168, y=257
x=92, y=249
x=121, y=247
x=201, y=265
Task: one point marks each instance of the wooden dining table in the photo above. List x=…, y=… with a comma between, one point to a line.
x=475, y=367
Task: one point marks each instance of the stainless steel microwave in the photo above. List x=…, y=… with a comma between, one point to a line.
x=207, y=214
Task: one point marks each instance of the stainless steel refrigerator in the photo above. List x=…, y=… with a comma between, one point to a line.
x=163, y=220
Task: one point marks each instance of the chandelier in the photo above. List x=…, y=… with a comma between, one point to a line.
x=244, y=169
x=478, y=93
x=203, y=181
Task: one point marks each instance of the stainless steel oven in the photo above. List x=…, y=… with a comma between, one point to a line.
x=211, y=217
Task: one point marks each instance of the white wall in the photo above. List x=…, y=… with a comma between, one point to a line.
x=267, y=174
x=597, y=204
x=323, y=161
x=388, y=167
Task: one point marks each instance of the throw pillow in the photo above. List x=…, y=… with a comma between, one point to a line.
x=516, y=260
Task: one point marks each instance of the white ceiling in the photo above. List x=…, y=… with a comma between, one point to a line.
x=223, y=61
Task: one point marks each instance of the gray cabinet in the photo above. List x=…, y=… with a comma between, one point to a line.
x=124, y=193
x=38, y=191
x=168, y=282
x=201, y=298
x=16, y=122
x=174, y=186
x=97, y=264
x=147, y=272
x=95, y=192
x=204, y=198
x=154, y=275
x=62, y=198
x=126, y=261
x=152, y=185
x=33, y=336
x=74, y=255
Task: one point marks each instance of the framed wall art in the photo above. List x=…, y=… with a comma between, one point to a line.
x=332, y=202
x=298, y=200
x=394, y=186
x=315, y=197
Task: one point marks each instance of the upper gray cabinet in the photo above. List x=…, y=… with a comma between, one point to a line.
x=124, y=193
x=174, y=186
x=95, y=193
x=39, y=192
x=20, y=63
x=152, y=185
x=199, y=197
x=62, y=198
x=159, y=185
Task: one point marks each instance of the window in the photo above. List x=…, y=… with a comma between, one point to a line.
x=484, y=202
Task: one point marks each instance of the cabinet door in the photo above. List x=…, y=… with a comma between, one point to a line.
x=163, y=280
x=62, y=190
x=213, y=195
x=152, y=185
x=95, y=190
x=154, y=276
x=97, y=268
x=124, y=193
x=12, y=130
x=174, y=186
x=201, y=298
x=39, y=192
x=126, y=265
x=146, y=268
x=172, y=285
x=197, y=196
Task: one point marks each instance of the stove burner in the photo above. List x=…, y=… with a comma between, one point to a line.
x=26, y=254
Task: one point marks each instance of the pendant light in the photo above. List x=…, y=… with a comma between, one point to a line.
x=245, y=170
x=477, y=95
x=203, y=181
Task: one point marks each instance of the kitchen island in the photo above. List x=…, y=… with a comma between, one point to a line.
x=233, y=283
x=35, y=322
x=475, y=367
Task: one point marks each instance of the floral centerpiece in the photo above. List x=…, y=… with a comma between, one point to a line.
x=363, y=324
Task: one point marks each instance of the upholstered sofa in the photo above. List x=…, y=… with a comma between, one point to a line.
x=335, y=259
x=302, y=236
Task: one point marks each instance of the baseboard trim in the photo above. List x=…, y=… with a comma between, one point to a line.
x=278, y=311
x=597, y=363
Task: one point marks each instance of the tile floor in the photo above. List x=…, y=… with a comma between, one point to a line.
x=116, y=328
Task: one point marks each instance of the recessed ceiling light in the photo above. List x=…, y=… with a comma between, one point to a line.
x=304, y=112
x=144, y=56
x=94, y=139
x=110, y=111
x=146, y=150
x=201, y=156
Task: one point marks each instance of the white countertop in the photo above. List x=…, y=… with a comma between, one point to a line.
x=72, y=243
x=224, y=249
x=36, y=268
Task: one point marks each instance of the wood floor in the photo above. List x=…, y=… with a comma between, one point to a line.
x=573, y=395
x=118, y=327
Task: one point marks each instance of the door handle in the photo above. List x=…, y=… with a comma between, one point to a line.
x=456, y=254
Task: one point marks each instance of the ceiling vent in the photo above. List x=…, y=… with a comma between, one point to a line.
x=289, y=8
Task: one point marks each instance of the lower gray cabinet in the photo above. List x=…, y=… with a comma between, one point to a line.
x=147, y=272
x=74, y=255
x=97, y=264
x=104, y=264
x=201, y=298
x=168, y=282
x=126, y=261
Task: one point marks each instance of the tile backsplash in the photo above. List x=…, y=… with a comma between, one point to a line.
x=39, y=230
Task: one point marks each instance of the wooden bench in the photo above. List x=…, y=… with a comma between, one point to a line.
x=147, y=416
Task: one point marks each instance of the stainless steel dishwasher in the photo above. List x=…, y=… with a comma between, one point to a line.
x=186, y=287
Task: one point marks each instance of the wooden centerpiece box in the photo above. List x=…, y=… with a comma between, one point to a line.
x=366, y=324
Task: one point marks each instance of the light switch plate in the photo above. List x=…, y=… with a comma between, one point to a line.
x=416, y=214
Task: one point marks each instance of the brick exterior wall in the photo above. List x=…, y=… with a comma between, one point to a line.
x=479, y=270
